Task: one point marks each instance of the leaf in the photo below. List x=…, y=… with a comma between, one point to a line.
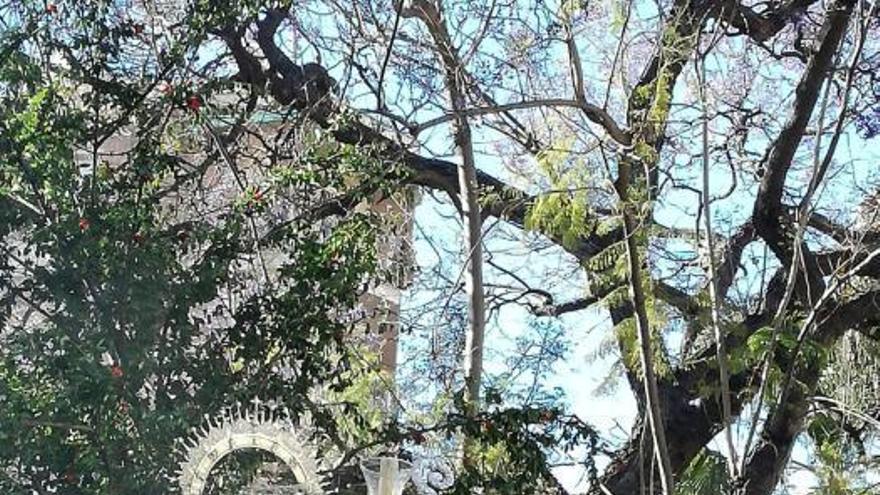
x=706, y=475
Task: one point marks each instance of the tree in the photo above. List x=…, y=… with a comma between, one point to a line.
x=455, y=82
x=164, y=253
x=599, y=118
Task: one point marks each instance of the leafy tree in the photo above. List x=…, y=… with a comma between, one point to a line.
x=165, y=254
x=599, y=135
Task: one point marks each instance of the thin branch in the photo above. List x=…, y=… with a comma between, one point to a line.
x=593, y=112
x=720, y=338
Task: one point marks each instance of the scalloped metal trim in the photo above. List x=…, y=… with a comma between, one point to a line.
x=251, y=428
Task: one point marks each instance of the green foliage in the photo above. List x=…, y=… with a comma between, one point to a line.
x=129, y=311
x=841, y=429
x=628, y=343
x=618, y=14
x=565, y=215
x=510, y=448
x=564, y=212
x=706, y=474
x=645, y=152
x=852, y=371
x=360, y=405
x=611, y=259
x=837, y=455
x=759, y=342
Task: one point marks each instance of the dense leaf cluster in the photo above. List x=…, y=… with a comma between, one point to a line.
x=134, y=293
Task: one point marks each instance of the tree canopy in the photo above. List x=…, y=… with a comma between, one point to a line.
x=701, y=172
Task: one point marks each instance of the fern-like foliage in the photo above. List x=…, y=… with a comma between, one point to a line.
x=706, y=475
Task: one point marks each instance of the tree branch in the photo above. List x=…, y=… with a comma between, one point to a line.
x=765, y=25
x=771, y=220
x=592, y=112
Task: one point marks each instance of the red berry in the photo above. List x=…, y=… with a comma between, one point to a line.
x=137, y=28
x=83, y=224
x=51, y=8
x=194, y=103
x=138, y=237
x=116, y=371
x=258, y=196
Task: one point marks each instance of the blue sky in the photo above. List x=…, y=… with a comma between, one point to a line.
x=581, y=373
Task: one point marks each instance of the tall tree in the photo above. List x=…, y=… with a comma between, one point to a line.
x=168, y=248
x=583, y=126
x=456, y=84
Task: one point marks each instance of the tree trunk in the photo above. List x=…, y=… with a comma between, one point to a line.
x=456, y=85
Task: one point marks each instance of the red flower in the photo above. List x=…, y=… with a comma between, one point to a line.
x=165, y=88
x=194, y=103
x=418, y=437
x=486, y=426
x=83, y=224
x=51, y=8
x=71, y=477
x=116, y=371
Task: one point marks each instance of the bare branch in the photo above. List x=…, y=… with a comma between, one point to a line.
x=593, y=112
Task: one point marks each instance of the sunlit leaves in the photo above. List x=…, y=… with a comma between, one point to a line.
x=706, y=475
x=565, y=210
